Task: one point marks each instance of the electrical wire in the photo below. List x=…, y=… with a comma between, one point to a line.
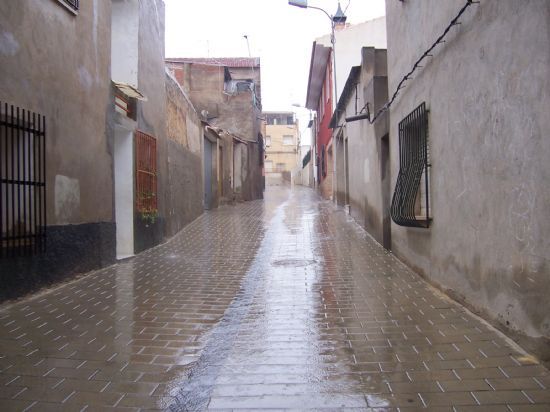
x=408, y=76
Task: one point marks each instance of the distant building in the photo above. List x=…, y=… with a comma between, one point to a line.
x=303, y=172
x=320, y=89
x=281, y=145
x=227, y=94
x=349, y=40
x=362, y=172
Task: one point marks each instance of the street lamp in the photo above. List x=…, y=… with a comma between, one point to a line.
x=298, y=3
x=339, y=17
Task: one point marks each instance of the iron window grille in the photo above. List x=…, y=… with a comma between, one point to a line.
x=73, y=4
x=411, y=200
x=22, y=181
x=306, y=159
x=146, y=173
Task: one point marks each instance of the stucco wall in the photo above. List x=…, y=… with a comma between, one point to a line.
x=277, y=152
x=151, y=116
x=368, y=191
x=184, y=133
x=349, y=41
x=236, y=114
x=59, y=69
x=225, y=174
x=57, y=63
x=487, y=89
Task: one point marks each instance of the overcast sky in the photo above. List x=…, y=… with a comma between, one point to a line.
x=281, y=35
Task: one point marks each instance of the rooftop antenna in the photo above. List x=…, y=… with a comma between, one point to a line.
x=247, y=44
x=253, y=71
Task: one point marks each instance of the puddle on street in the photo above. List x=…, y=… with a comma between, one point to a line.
x=282, y=303
x=274, y=341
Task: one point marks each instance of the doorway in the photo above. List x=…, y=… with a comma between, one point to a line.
x=220, y=171
x=207, y=174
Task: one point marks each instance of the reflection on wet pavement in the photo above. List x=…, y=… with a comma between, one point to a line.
x=282, y=303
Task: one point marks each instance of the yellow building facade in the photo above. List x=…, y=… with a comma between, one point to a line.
x=282, y=139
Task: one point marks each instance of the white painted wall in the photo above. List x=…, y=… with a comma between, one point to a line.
x=124, y=41
x=349, y=42
x=124, y=192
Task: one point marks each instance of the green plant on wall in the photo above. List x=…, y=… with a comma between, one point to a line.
x=149, y=215
x=145, y=196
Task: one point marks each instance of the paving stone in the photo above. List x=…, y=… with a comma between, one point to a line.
x=282, y=304
x=465, y=385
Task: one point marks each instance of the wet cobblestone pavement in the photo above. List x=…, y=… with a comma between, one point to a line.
x=282, y=304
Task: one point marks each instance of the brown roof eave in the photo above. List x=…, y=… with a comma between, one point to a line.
x=309, y=77
x=317, y=70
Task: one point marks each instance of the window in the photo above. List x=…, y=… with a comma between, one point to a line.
x=281, y=167
x=22, y=181
x=288, y=140
x=71, y=5
x=410, y=203
x=268, y=141
x=268, y=165
x=306, y=159
x=124, y=104
x=290, y=120
x=146, y=173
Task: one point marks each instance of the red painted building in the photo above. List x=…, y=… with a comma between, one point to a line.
x=320, y=98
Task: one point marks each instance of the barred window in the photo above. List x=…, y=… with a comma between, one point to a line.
x=22, y=181
x=72, y=5
x=411, y=198
x=146, y=173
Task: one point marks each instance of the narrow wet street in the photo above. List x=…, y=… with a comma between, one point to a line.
x=284, y=303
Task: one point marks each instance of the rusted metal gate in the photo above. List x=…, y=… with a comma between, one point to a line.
x=146, y=173
x=23, y=181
